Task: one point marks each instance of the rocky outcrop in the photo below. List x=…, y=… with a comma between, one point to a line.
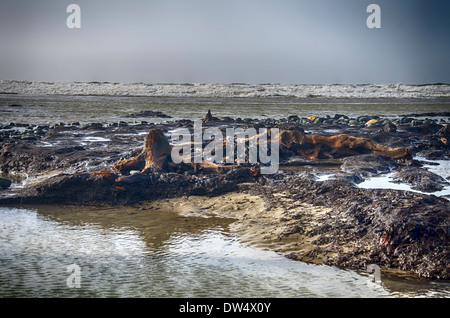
x=148, y=114
x=107, y=187
x=396, y=229
x=156, y=176
x=209, y=117
x=390, y=228
x=420, y=179
x=368, y=165
x=27, y=159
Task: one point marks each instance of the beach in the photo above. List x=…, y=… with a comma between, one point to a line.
x=384, y=202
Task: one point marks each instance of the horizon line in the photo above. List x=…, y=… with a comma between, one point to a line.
x=226, y=83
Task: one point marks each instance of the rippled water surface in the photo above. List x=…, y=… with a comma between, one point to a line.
x=130, y=252
x=68, y=109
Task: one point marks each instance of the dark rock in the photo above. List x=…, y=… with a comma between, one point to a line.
x=443, y=135
x=105, y=186
x=434, y=154
x=394, y=229
x=227, y=119
x=406, y=120
x=5, y=183
x=293, y=118
x=29, y=137
x=209, y=117
x=420, y=127
x=420, y=179
x=92, y=126
x=363, y=119
x=340, y=116
x=390, y=228
x=22, y=125
x=389, y=127
x=431, y=114
x=69, y=149
x=368, y=165
x=149, y=114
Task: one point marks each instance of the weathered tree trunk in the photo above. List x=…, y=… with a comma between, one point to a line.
x=208, y=117
x=157, y=151
x=155, y=155
x=444, y=135
x=314, y=147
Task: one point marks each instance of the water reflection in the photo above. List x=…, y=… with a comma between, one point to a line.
x=130, y=252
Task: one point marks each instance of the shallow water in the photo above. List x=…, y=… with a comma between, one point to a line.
x=385, y=181
x=85, y=109
x=130, y=252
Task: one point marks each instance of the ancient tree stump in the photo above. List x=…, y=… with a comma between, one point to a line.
x=155, y=155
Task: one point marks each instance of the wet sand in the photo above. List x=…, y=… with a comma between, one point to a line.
x=256, y=224
x=302, y=213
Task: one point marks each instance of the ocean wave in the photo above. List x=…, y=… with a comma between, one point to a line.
x=225, y=90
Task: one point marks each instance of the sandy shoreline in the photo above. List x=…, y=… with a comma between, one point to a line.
x=256, y=224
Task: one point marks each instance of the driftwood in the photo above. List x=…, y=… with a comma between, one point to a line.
x=314, y=147
x=208, y=117
x=444, y=135
x=156, y=153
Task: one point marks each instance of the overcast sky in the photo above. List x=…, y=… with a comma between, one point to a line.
x=251, y=41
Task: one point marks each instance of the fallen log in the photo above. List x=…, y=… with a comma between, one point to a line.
x=314, y=147
x=156, y=154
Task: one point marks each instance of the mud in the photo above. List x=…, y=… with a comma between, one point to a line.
x=332, y=222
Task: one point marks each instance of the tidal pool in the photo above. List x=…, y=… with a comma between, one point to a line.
x=134, y=252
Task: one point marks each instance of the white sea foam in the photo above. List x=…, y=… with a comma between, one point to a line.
x=225, y=90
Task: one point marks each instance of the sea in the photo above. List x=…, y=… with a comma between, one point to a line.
x=102, y=252
x=42, y=102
